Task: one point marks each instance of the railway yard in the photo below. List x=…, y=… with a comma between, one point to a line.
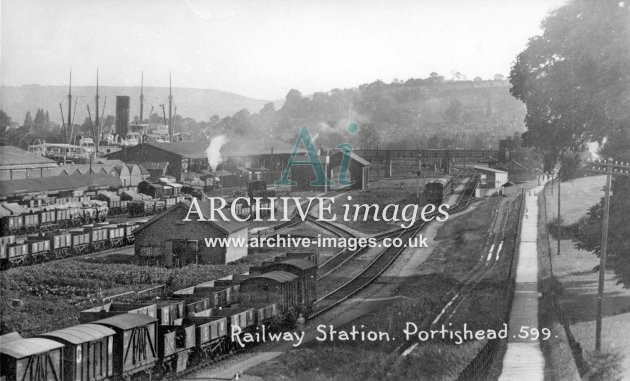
x=461, y=273
x=319, y=191
x=113, y=265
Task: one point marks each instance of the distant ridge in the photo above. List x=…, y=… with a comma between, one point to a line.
x=199, y=104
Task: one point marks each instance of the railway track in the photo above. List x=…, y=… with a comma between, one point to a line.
x=489, y=257
x=345, y=255
x=358, y=283
x=382, y=262
x=297, y=219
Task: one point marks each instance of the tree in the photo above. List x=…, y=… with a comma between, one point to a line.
x=458, y=76
x=574, y=79
x=454, y=111
x=435, y=78
x=28, y=120
x=5, y=121
x=40, y=122
x=575, y=82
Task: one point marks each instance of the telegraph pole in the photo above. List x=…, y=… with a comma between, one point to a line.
x=610, y=168
x=559, y=219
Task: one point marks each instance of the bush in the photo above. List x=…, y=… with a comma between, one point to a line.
x=605, y=365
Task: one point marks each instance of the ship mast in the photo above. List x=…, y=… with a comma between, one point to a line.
x=170, y=109
x=98, y=128
x=141, y=98
x=68, y=138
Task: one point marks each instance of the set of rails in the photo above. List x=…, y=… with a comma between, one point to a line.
x=191, y=328
x=383, y=261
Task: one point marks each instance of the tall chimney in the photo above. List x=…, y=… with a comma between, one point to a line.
x=122, y=115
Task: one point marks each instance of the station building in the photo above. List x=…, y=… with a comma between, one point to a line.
x=491, y=177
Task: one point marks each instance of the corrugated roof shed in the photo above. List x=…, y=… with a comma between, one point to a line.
x=59, y=183
x=10, y=155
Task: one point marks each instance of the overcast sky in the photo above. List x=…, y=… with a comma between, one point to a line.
x=261, y=49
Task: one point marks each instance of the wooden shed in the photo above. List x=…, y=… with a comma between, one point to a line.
x=168, y=240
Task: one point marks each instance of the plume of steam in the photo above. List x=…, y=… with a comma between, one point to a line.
x=213, y=152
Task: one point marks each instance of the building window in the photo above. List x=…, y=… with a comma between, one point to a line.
x=151, y=251
x=183, y=246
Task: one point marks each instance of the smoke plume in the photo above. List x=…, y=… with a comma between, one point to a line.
x=213, y=152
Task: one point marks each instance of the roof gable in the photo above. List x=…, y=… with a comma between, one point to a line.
x=59, y=183
x=10, y=155
x=226, y=227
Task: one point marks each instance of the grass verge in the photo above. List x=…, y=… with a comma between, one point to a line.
x=54, y=293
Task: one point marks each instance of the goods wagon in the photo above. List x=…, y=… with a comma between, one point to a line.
x=306, y=272
x=135, y=344
x=88, y=353
x=33, y=359
x=276, y=287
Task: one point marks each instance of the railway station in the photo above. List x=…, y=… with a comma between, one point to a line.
x=242, y=191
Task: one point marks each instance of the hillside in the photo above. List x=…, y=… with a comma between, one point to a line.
x=417, y=113
x=199, y=104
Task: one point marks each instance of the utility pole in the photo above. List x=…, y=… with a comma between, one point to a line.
x=559, y=218
x=610, y=168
